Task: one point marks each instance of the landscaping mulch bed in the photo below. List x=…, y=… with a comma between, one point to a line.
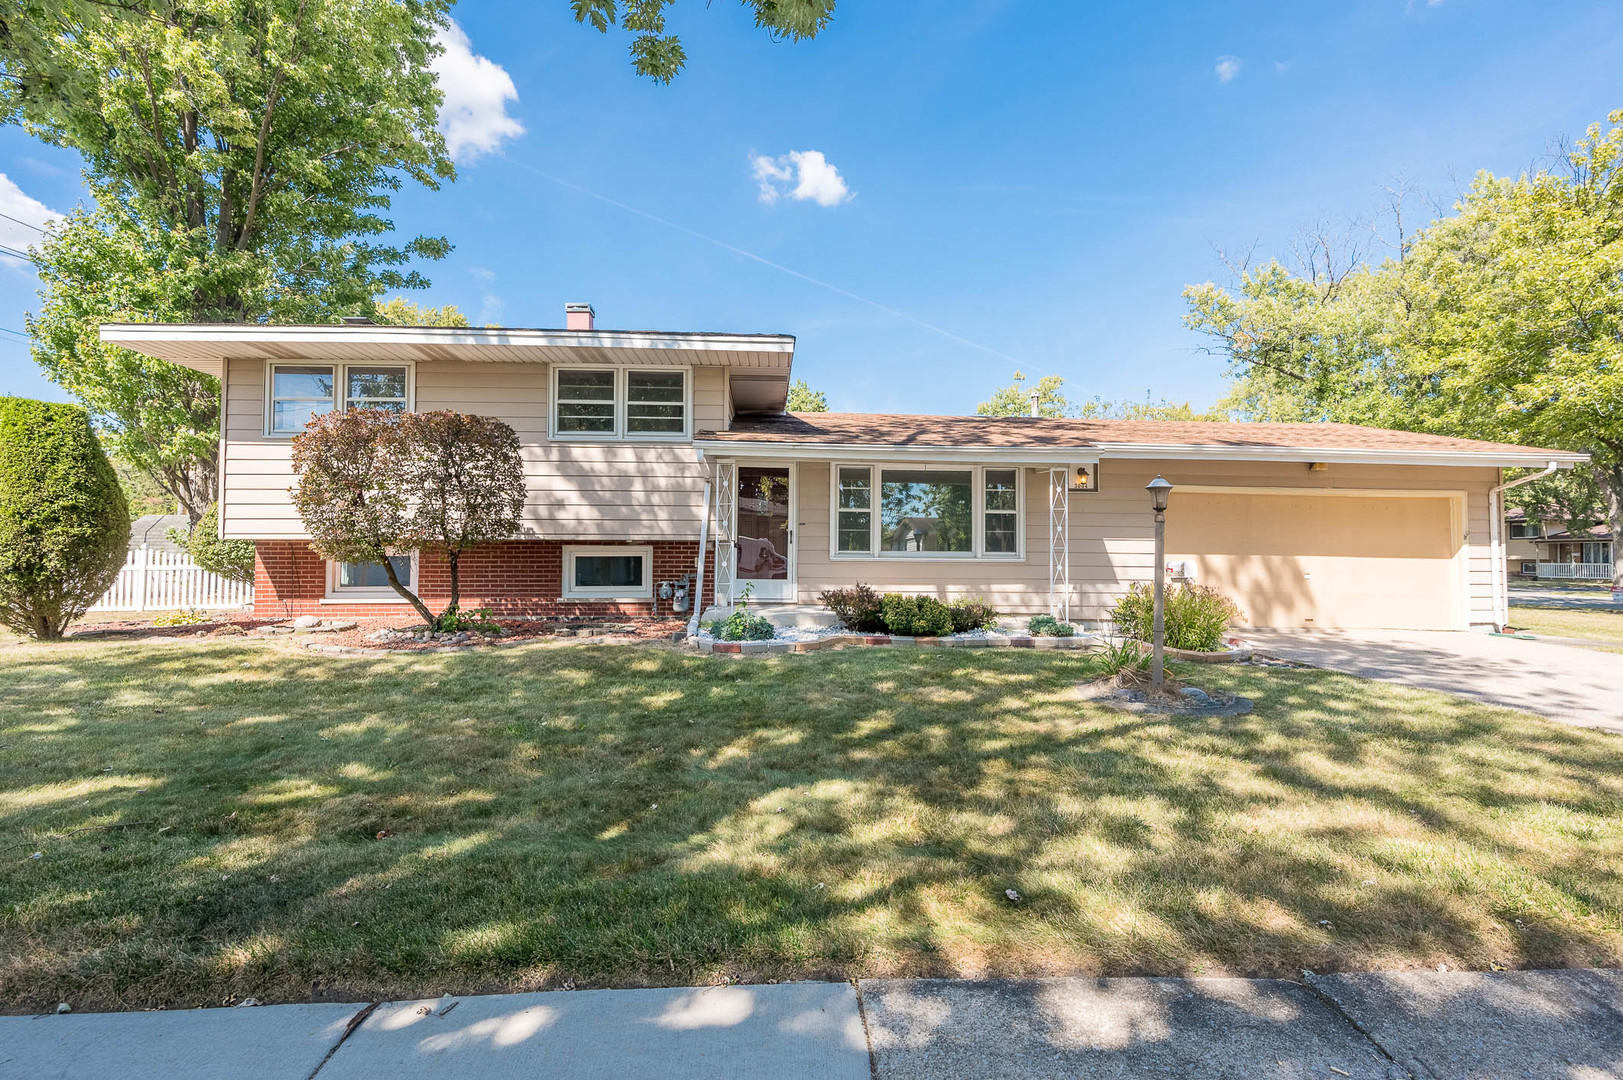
x=359, y=631
x=362, y=635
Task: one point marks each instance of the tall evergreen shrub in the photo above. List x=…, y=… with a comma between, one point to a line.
x=64, y=524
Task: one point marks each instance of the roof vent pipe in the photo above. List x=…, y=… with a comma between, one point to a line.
x=579, y=316
x=1036, y=395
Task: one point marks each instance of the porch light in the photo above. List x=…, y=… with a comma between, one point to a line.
x=1159, y=489
x=1084, y=478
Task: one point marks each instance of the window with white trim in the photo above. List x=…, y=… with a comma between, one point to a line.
x=608, y=572
x=925, y=511
x=853, y=510
x=1000, y=528
x=298, y=393
x=625, y=403
x=585, y=400
x=656, y=402
x=369, y=580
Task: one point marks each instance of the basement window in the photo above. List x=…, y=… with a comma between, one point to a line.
x=365, y=581
x=608, y=572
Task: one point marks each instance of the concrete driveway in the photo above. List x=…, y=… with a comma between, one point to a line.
x=1562, y=682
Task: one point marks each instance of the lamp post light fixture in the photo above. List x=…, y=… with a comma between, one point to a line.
x=1159, y=489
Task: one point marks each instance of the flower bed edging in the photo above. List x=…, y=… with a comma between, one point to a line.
x=990, y=641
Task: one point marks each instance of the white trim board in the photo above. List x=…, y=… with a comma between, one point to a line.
x=1092, y=454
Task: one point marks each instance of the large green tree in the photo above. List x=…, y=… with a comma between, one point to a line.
x=660, y=56
x=1501, y=320
x=241, y=155
x=1015, y=400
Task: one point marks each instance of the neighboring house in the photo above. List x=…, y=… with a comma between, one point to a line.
x=639, y=444
x=1587, y=557
x=1550, y=551
x=151, y=531
x=1521, y=543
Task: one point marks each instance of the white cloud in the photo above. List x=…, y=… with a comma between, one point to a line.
x=1227, y=68
x=21, y=211
x=477, y=89
x=800, y=175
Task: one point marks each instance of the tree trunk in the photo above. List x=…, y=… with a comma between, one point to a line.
x=1612, y=482
x=411, y=597
x=452, y=557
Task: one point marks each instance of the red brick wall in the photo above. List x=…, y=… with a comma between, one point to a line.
x=517, y=577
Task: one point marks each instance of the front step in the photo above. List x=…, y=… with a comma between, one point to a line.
x=798, y=616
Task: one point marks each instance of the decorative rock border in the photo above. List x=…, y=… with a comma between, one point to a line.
x=1237, y=655
x=1136, y=701
x=990, y=641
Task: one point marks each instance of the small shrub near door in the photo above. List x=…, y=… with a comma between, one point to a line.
x=1048, y=626
x=858, y=608
x=1196, y=616
x=970, y=615
x=741, y=625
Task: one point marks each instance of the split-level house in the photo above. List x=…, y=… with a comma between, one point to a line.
x=662, y=468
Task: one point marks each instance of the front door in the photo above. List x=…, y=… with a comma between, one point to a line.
x=765, y=533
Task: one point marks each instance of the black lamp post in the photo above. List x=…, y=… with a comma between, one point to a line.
x=1159, y=489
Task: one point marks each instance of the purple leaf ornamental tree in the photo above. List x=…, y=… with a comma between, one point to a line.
x=466, y=481
x=373, y=483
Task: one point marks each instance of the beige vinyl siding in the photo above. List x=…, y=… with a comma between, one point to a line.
x=620, y=490
x=1112, y=533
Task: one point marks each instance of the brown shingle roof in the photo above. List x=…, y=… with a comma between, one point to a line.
x=1022, y=432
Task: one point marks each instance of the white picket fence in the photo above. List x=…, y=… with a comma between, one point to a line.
x=168, y=580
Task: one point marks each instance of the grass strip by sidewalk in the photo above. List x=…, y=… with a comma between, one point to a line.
x=622, y=815
x=1598, y=626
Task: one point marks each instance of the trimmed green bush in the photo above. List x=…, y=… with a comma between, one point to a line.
x=1195, y=617
x=64, y=524
x=232, y=559
x=972, y=615
x=1048, y=626
x=916, y=616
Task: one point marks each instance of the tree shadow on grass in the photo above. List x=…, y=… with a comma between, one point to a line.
x=619, y=815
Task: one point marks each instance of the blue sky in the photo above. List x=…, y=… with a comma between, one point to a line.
x=1019, y=184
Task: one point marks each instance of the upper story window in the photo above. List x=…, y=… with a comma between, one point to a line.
x=1524, y=530
x=299, y=393
x=608, y=403
x=922, y=512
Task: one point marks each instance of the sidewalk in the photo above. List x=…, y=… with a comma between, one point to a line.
x=1422, y=1025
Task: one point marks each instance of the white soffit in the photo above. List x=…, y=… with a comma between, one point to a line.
x=203, y=347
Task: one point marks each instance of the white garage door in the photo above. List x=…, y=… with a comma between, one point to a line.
x=1349, y=561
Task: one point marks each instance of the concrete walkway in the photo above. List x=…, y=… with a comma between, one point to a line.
x=1562, y=682
x=1529, y=1025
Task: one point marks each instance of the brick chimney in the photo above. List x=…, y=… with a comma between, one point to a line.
x=578, y=316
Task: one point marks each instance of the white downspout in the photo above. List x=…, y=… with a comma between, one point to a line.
x=696, y=597
x=1497, y=541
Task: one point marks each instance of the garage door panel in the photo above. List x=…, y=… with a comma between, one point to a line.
x=1351, y=562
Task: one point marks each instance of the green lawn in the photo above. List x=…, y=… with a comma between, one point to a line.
x=1604, y=626
x=316, y=827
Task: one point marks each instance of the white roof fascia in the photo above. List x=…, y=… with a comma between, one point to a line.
x=1127, y=451
x=135, y=333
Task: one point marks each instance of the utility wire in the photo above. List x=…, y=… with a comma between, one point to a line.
x=14, y=253
x=24, y=224
x=847, y=293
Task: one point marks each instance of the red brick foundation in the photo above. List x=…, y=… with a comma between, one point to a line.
x=513, y=578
